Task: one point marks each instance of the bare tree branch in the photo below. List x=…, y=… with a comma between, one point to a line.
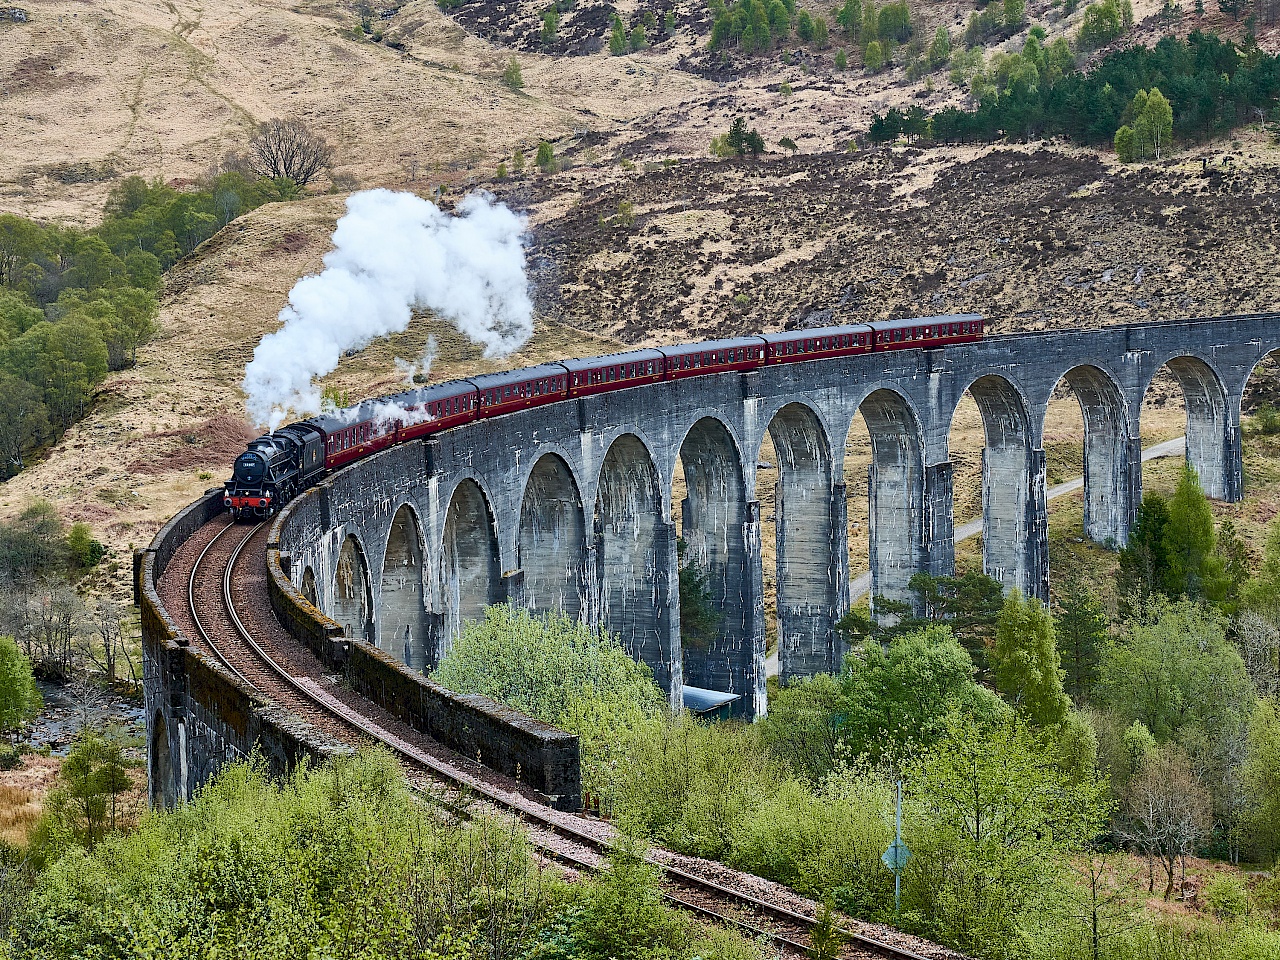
x=286, y=148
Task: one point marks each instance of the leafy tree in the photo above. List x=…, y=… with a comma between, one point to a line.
x=896, y=700
x=841, y=60
x=1081, y=627
x=24, y=421
x=20, y=698
x=637, y=40
x=1015, y=13
x=669, y=24
x=803, y=726
x=873, y=56
x=893, y=22
x=940, y=49
x=512, y=77
x=1024, y=662
x=1262, y=779
x=821, y=33
x=993, y=814
x=1173, y=669
x=550, y=25
x=804, y=26
x=618, y=37
x=849, y=16
x=1126, y=149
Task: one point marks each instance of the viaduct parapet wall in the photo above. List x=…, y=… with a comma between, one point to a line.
x=569, y=507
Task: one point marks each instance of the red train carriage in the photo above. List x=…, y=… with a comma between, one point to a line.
x=819, y=344
x=714, y=356
x=501, y=393
x=613, y=372
x=920, y=332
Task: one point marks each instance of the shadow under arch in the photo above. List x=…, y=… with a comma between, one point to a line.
x=552, y=539
x=714, y=518
x=895, y=494
x=162, y=786
x=635, y=554
x=470, y=578
x=1110, y=485
x=352, y=597
x=1208, y=425
x=402, y=626
x=308, y=588
x=808, y=516
x=1012, y=551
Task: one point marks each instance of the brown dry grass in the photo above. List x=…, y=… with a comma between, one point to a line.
x=22, y=793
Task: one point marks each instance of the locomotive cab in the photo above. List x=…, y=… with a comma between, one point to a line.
x=272, y=470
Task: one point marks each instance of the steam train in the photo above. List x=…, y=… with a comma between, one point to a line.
x=277, y=466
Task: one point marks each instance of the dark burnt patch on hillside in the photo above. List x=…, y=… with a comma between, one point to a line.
x=583, y=26
x=1031, y=239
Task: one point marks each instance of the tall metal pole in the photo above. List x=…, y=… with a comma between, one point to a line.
x=897, y=842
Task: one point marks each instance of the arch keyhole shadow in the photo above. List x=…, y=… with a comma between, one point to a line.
x=634, y=547
x=470, y=578
x=1207, y=425
x=552, y=540
x=162, y=792
x=402, y=630
x=1100, y=434
x=895, y=517
x=352, y=605
x=1012, y=537
x=808, y=516
x=713, y=519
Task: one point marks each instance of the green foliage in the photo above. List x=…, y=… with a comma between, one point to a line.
x=849, y=16
x=940, y=49
x=501, y=172
x=896, y=701
x=1015, y=13
x=1175, y=670
x=562, y=672
x=1226, y=896
x=83, y=808
x=512, y=78
x=754, y=26
x=550, y=26
x=1189, y=542
x=699, y=619
x=20, y=699
x=1103, y=22
x=805, y=724
x=84, y=550
x=873, y=56
x=1144, y=562
x=1081, y=628
x=841, y=60
x=893, y=22
x=1262, y=780
x=991, y=815
x=1148, y=131
x=786, y=143
x=669, y=24
x=545, y=157
x=1210, y=85
x=638, y=40
x=1024, y=662
x=617, y=37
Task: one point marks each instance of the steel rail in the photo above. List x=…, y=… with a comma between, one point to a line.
x=444, y=772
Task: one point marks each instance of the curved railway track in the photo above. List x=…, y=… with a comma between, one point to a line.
x=222, y=630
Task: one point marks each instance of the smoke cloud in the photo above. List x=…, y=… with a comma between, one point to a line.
x=394, y=252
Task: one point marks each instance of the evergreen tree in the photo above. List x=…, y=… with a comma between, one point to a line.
x=1081, y=629
x=1189, y=539
x=512, y=78
x=1144, y=562
x=940, y=49
x=738, y=136
x=546, y=157
x=1024, y=662
x=618, y=38
x=550, y=25
x=849, y=16
x=873, y=56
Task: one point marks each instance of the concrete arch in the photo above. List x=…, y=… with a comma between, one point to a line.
x=635, y=557
x=809, y=520
x=470, y=577
x=352, y=593
x=895, y=510
x=308, y=587
x=162, y=792
x=1014, y=525
x=402, y=627
x=720, y=530
x=1109, y=482
x=551, y=544
x=1211, y=429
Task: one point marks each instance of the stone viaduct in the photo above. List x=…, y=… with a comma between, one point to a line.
x=570, y=507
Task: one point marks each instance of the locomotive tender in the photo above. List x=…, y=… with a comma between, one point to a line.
x=276, y=467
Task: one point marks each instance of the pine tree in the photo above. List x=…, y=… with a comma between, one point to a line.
x=617, y=38
x=1024, y=662
x=1189, y=538
x=1081, y=629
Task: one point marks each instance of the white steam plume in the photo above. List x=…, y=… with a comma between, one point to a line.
x=423, y=366
x=394, y=252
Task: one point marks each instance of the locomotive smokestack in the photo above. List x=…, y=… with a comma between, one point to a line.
x=394, y=252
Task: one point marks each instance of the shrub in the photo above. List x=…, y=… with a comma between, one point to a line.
x=1226, y=896
x=512, y=78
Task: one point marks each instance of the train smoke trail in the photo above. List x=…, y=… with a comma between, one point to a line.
x=394, y=252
